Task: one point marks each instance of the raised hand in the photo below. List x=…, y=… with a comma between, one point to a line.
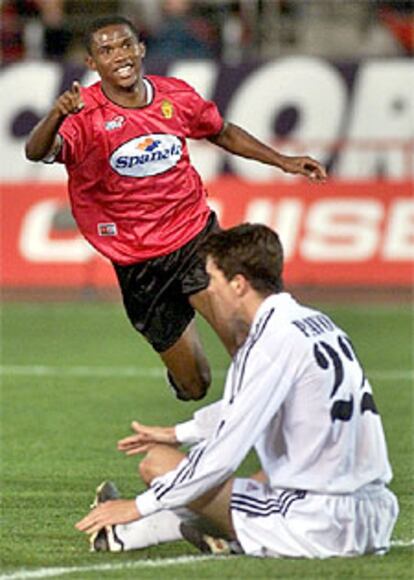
x=145, y=437
x=70, y=102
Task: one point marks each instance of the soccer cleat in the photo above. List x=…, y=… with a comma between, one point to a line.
x=208, y=544
x=105, y=492
x=105, y=539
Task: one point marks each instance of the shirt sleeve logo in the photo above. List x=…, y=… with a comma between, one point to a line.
x=147, y=155
x=107, y=230
x=167, y=109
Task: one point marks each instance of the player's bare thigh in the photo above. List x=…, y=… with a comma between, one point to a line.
x=201, y=302
x=186, y=359
x=188, y=364
x=215, y=505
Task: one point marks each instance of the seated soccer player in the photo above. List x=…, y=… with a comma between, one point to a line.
x=297, y=394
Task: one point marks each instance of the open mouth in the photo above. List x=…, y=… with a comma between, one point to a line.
x=125, y=71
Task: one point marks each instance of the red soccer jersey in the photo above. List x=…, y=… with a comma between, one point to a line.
x=133, y=190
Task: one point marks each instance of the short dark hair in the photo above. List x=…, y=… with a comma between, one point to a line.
x=253, y=250
x=103, y=22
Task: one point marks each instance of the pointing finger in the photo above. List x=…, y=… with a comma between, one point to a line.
x=76, y=88
x=76, y=94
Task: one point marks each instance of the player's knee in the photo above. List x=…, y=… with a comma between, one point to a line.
x=146, y=469
x=198, y=387
x=159, y=460
x=192, y=386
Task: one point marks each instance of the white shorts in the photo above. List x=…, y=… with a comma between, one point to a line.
x=287, y=523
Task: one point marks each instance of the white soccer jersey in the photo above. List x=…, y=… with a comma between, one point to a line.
x=297, y=393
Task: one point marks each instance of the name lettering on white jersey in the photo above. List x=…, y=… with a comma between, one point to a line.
x=314, y=325
x=147, y=155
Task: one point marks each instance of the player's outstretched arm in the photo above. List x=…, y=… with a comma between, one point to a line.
x=42, y=139
x=239, y=142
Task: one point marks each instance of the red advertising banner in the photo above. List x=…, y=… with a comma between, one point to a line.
x=353, y=233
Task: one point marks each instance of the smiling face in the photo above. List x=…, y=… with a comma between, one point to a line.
x=116, y=55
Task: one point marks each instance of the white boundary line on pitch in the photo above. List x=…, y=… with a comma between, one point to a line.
x=157, y=563
x=146, y=372
x=83, y=371
x=132, y=564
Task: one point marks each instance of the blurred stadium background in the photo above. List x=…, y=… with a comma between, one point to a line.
x=330, y=78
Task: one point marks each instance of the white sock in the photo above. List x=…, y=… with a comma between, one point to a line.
x=163, y=526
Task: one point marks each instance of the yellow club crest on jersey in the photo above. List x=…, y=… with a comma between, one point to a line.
x=167, y=109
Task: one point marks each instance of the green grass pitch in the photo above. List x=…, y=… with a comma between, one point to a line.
x=74, y=375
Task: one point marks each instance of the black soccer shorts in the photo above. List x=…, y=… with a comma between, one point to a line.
x=155, y=292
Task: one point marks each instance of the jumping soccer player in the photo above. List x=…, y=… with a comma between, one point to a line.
x=297, y=394
x=135, y=195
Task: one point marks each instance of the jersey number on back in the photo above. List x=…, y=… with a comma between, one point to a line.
x=327, y=357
